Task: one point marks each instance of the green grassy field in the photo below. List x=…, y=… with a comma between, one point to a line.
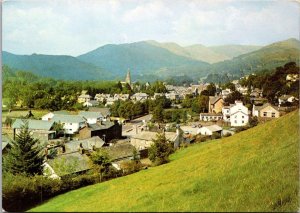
x=255, y=170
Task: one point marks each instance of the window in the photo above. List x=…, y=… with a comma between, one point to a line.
x=70, y=124
x=265, y=114
x=242, y=122
x=235, y=116
x=235, y=121
x=242, y=116
x=273, y=114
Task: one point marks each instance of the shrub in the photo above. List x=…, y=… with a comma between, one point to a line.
x=227, y=134
x=216, y=135
x=131, y=166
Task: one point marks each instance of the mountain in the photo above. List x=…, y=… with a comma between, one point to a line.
x=231, y=51
x=55, y=66
x=267, y=57
x=141, y=58
x=208, y=54
x=254, y=170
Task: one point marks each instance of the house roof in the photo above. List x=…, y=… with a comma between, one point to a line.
x=68, y=118
x=258, y=108
x=119, y=151
x=33, y=124
x=104, y=111
x=87, y=144
x=147, y=135
x=285, y=97
x=100, y=126
x=88, y=114
x=213, y=128
x=85, y=96
x=70, y=163
x=214, y=99
x=211, y=114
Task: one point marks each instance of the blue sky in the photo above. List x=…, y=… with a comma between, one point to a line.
x=73, y=27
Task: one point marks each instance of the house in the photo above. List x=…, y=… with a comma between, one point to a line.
x=110, y=101
x=6, y=144
x=242, y=90
x=156, y=95
x=106, y=130
x=258, y=100
x=238, y=114
x=226, y=113
x=101, y=97
x=265, y=111
x=120, y=153
x=215, y=104
x=67, y=164
x=42, y=130
x=50, y=115
x=172, y=96
x=209, y=130
x=91, y=117
x=284, y=99
x=139, y=97
x=144, y=139
x=84, y=98
x=105, y=112
x=71, y=123
x=292, y=77
x=255, y=93
x=211, y=116
x=225, y=93
x=90, y=103
x=89, y=144
x=122, y=97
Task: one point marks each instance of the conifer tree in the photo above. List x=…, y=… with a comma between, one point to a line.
x=25, y=155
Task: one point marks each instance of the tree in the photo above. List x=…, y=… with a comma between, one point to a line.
x=232, y=97
x=160, y=150
x=25, y=155
x=158, y=114
x=211, y=88
x=102, y=161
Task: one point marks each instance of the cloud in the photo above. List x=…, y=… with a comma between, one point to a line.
x=77, y=26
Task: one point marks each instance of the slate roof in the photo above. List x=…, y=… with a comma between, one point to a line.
x=88, y=114
x=119, y=151
x=70, y=163
x=147, y=135
x=33, y=124
x=68, y=118
x=73, y=146
x=104, y=111
x=104, y=125
x=258, y=108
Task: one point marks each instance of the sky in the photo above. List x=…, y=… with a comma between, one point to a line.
x=74, y=27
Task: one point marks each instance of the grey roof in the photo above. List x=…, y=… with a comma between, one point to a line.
x=33, y=124
x=104, y=111
x=68, y=118
x=87, y=144
x=100, y=126
x=85, y=96
x=87, y=114
x=70, y=163
x=147, y=135
x=119, y=151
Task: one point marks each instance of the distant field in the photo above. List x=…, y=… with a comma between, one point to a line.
x=255, y=170
x=19, y=113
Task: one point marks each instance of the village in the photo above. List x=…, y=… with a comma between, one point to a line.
x=69, y=138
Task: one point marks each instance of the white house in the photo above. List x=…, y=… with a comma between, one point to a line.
x=239, y=114
x=139, y=97
x=226, y=113
x=226, y=92
x=209, y=130
x=72, y=123
x=210, y=116
x=286, y=99
x=90, y=103
x=91, y=117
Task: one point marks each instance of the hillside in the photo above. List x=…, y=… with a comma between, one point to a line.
x=255, y=170
x=268, y=57
x=55, y=66
x=141, y=58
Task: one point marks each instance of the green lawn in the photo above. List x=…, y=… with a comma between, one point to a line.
x=255, y=170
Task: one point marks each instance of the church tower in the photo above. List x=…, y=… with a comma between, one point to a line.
x=128, y=79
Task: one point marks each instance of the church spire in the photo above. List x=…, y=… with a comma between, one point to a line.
x=128, y=79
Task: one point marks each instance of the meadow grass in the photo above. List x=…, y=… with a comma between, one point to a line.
x=255, y=170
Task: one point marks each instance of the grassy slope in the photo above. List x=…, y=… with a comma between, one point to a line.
x=255, y=170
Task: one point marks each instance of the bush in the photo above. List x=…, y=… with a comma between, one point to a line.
x=131, y=166
x=216, y=135
x=241, y=128
x=228, y=134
